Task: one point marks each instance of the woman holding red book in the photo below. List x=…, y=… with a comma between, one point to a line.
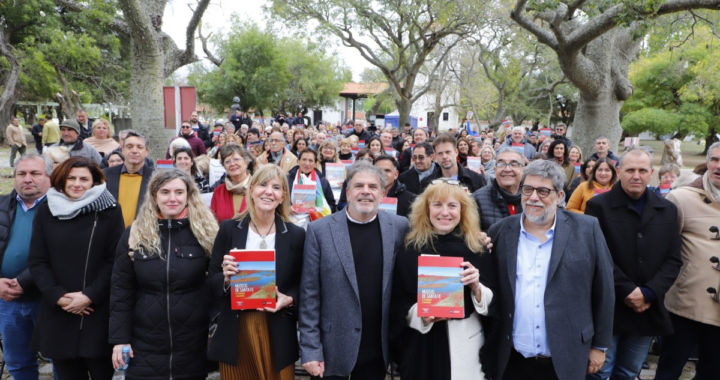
x=445, y=223
x=258, y=344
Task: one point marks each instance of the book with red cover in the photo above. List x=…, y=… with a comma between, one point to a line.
x=347, y=163
x=578, y=166
x=600, y=191
x=519, y=147
x=474, y=164
x=440, y=291
x=389, y=204
x=547, y=132
x=164, y=164
x=664, y=189
x=254, y=285
x=303, y=198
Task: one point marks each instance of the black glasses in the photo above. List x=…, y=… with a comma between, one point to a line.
x=513, y=164
x=186, y=127
x=446, y=180
x=542, y=192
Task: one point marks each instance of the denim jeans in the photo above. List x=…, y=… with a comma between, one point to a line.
x=623, y=361
x=17, y=322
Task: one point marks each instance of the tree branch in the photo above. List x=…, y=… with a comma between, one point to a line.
x=189, y=53
x=542, y=35
x=139, y=24
x=208, y=54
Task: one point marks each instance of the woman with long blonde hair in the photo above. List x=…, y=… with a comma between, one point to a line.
x=102, y=137
x=158, y=300
x=445, y=223
x=258, y=344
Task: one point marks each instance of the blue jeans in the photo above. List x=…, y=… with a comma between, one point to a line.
x=623, y=361
x=17, y=322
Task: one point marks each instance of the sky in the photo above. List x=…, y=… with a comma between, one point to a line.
x=218, y=16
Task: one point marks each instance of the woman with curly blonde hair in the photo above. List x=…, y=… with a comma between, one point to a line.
x=158, y=301
x=445, y=223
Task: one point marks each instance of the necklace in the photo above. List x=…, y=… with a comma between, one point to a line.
x=263, y=243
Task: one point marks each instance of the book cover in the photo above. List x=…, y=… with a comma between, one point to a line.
x=440, y=291
x=361, y=144
x=547, y=132
x=390, y=152
x=254, y=285
x=354, y=151
x=577, y=167
x=519, y=147
x=164, y=164
x=347, y=163
x=474, y=164
x=600, y=191
x=664, y=189
x=389, y=204
x=303, y=198
x=335, y=173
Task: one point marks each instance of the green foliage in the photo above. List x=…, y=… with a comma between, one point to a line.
x=675, y=86
x=269, y=73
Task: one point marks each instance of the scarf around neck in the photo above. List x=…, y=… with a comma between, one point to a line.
x=237, y=188
x=512, y=199
x=426, y=173
x=64, y=208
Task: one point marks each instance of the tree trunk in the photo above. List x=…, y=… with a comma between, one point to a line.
x=710, y=139
x=404, y=106
x=595, y=117
x=146, y=93
x=9, y=97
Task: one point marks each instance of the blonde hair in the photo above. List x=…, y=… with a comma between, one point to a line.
x=346, y=141
x=111, y=130
x=145, y=234
x=580, y=160
x=422, y=234
x=203, y=164
x=331, y=142
x=264, y=174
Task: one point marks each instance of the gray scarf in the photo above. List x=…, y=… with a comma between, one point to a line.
x=426, y=173
x=64, y=208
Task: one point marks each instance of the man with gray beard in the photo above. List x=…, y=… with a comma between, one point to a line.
x=555, y=281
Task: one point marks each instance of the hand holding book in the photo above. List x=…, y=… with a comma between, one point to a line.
x=283, y=301
x=471, y=277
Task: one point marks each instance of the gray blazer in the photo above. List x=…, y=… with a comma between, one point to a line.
x=330, y=323
x=579, y=296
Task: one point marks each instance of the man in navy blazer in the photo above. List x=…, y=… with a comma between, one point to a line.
x=556, y=295
x=346, y=283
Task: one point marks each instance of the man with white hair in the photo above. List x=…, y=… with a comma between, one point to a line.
x=360, y=132
x=277, y=154
x=517, y=141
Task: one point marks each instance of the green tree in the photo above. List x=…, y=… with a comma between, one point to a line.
x=268, y=73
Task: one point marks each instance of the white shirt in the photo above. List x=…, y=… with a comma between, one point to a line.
x=253, y=240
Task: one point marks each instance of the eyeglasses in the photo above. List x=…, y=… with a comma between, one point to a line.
x=542, y=192
x=235, y=160
x=275, y=141
x=418, y=158
x=503, y=164
x=329, y=148
x=446, y=181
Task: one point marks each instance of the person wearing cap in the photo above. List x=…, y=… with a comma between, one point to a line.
x=70, y=137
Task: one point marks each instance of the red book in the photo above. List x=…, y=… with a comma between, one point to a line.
x=577, y=167
x=303, y=198
x=254, y=285
x=440, y=291
x=164, y=164
x=347, y=163
x=600, y=191
x=389, y=204
x=664, y=189
x=519, y=147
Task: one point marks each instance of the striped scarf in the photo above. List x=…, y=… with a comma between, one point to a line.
x=95, y=199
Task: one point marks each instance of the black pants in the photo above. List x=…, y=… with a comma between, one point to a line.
x=370, y=370
x=675, y=349
x=80, y=368
x=522, y=368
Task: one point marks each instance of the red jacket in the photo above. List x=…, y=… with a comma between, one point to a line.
x=197, y=145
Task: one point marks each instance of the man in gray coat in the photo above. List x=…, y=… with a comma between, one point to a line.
x=555, y=280
x=70, y=137
x=346, y=283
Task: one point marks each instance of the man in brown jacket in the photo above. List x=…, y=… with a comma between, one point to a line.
x=695, y=314
x=15, y=135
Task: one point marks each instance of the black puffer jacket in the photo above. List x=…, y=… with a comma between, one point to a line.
x=159, y=305
x=492, y=205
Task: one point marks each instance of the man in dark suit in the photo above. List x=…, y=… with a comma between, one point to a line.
x=345, y=288
x=85, y=124
x=556, y=293
x=128, y=182
x=446, y=154
x=641, y=231
x=423, y=155
x=419, y=136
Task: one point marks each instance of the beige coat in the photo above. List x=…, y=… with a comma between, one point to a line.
x=288, y=161
x=15, y=135
x=698, y=210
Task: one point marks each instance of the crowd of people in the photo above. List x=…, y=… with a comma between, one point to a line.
x=570, y=267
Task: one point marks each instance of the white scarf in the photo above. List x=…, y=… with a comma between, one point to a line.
x=95, y=199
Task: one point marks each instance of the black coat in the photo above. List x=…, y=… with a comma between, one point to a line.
x=63, y=259
x=327, y=190
x=8, y=205
x=468, y=178
x=404, y=198
x=112, y=179
x=492, y=206
x=289, y=242
x=363, y=136
x=411, y=179
x=427, y=356
x=646, y=253
x=406, y=161
x=203, y=133
x=159, y=305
